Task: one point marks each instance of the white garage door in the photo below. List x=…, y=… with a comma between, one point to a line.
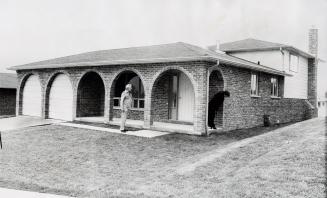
x=32, y=97
x=61, y=99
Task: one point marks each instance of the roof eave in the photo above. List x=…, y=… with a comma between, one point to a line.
x=115, y=62
x=270, y=71
x=290, y=48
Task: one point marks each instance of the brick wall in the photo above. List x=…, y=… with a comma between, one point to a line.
x=243, y=111
x=7, y=101
x=160, y=99
x=133, y=114
x=90, y=96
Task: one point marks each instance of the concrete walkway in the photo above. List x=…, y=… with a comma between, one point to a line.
x=5, y=192
x=18, y=122
x=139, y=133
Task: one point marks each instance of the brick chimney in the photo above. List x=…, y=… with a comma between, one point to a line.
x=313, y=41
x=312, y=71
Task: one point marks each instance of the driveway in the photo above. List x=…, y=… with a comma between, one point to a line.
x=13, y=123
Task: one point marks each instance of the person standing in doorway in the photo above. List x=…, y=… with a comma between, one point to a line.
x=125, y=105
x=214, y=104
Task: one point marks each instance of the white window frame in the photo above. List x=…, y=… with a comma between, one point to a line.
x=254, y=84
x=274, y=87
x=294, y=68
x=134, y=107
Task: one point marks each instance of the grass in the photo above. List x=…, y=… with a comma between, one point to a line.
x=273, y=162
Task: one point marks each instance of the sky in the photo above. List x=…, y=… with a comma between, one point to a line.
x=36, y=30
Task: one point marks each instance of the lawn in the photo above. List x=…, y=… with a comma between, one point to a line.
x=263, y=162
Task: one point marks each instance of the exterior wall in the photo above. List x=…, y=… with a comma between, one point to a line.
x=296, y=85
x=160, y=100
x=243, y=111
x=90, y=100
x=7, y=101
x=133, y=114
x=271, y=58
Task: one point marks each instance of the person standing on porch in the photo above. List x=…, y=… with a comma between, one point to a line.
x=125, y=105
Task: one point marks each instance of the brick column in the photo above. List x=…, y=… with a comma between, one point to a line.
x=106, y=103
x=18, y=96
x=148, y=121
x=200, y=123
x=43, y=82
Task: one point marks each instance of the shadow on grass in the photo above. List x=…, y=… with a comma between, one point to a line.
x=228, y=136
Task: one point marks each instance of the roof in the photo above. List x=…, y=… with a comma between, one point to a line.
x=258, y=45
x=8, y=80
x=173, y=52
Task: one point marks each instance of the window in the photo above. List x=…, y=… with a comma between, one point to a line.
x=137, y=90
x=294, y=63
x=274, y=87
x=254, y=84
x=319, y=104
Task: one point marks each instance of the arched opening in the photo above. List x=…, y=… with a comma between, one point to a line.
x=173, y=98
x=216, y=86
x=118, y=86
x=59, y=98
x=90, y=96
x=31, y=96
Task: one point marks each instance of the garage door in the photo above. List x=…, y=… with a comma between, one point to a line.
x=32, y=97
x=61, y=98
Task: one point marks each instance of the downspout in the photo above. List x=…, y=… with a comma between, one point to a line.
x=283, y=57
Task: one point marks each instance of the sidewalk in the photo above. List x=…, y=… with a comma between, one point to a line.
x=11, y=193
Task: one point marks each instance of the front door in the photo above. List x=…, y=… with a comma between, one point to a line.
x=185, y=99
x=172, y=97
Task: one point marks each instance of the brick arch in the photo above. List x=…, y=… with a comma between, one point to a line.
x=165, y=69
x=21, y=88
x=156, y=79
x=221, y=74
x=76, y=88
x=112, y=84
x=48, y=85
x=216, y=83
x=86, y=72
x=118, y=73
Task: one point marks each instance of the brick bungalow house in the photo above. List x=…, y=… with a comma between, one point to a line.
x=172, y=85
x=8, y=84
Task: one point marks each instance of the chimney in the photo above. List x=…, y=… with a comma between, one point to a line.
x=216, y=47
x=313, y=41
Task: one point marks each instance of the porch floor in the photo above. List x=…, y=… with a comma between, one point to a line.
x=157, y=126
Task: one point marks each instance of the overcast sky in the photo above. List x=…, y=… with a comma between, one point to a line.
x=35, y=30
